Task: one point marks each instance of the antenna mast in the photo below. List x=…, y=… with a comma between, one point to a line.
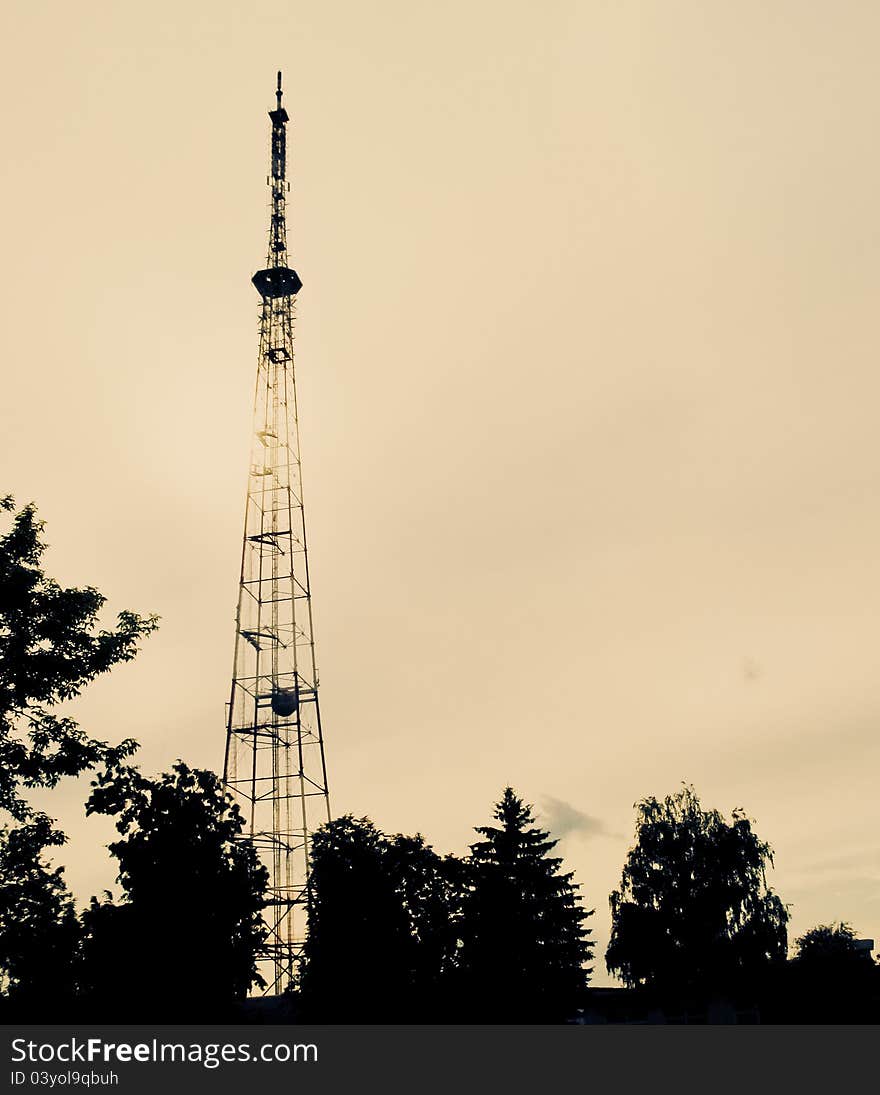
x=274, y=764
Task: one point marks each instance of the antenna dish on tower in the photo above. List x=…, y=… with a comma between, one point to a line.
x=274, y=765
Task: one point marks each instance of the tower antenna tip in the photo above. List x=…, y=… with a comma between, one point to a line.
x=278, y=91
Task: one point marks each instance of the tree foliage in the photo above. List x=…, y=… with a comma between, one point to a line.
x=831, y=979
x=694, y=912
x=39, y=932
x=524, y=943
x=193, y=893
x=380, y=929
x=429, y=889
x=829, y=943
x=50, y=647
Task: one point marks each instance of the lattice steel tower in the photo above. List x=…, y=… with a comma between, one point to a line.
x=274, y=763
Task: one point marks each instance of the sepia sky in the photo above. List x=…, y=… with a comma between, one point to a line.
x=588, y=370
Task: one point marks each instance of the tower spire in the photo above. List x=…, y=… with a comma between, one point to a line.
x=274, y=763
x=277, y=278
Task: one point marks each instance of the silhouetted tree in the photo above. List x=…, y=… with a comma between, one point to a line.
x=524, y=944
x=693, y=914
x=183, y=939
x=39, y=933
x=831, y=979
x=355, y=964
x=381, y=935
x=831, y=943
x=50, y=647
x=429, y=889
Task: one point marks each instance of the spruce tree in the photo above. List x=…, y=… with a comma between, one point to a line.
x=524, y=944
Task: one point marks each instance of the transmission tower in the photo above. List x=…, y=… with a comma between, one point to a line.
x=274, y=763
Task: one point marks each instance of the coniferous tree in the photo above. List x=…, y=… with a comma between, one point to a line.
x=524, y=944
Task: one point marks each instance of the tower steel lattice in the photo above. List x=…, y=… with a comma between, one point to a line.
x=274, y=766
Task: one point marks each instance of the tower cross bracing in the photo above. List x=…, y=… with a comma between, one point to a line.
x=274, y=765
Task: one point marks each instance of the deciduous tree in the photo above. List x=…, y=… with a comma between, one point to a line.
x=39, y=933
x=193, y=891
x=831, y=979
x=694, y=913
x=381, y=938
x=51, y=646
